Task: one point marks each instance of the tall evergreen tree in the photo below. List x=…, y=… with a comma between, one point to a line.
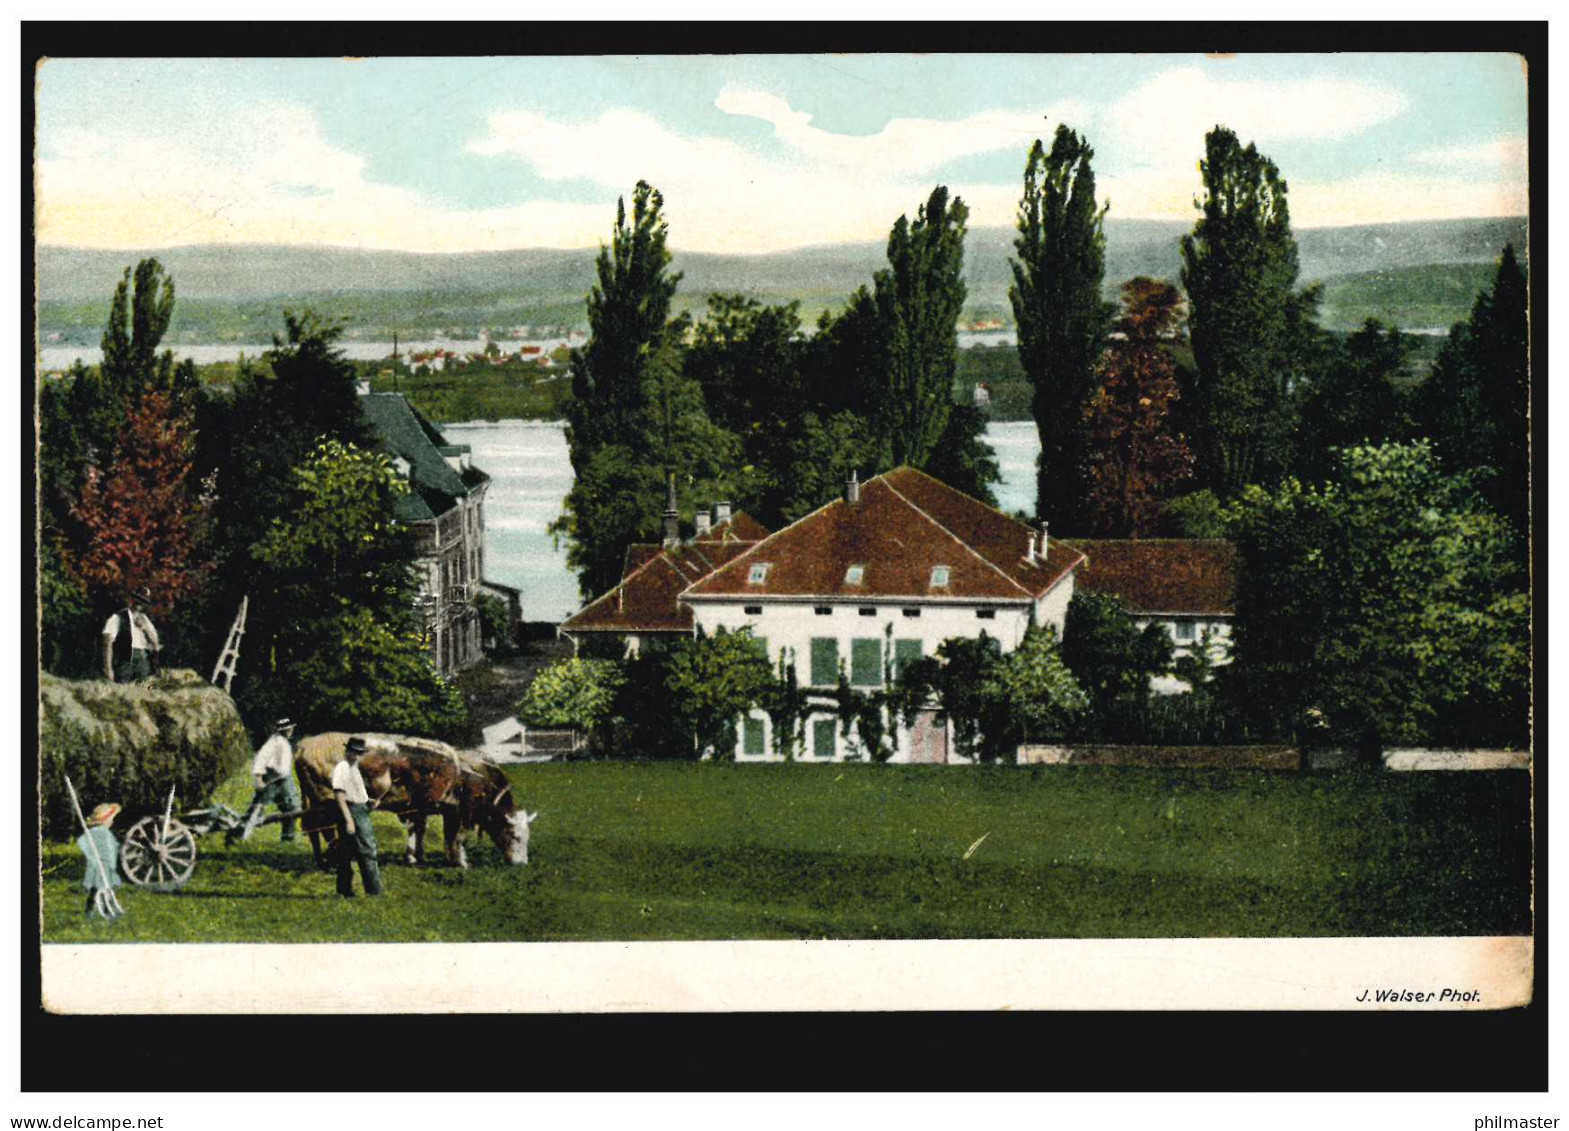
x=1474, y=403
x=918, y=298
x=1352, y=397
x=1240, y=272
x=1062, y=319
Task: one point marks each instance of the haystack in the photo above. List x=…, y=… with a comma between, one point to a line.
x=131, y=742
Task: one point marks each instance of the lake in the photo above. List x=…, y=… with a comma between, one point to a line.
x=531, y=473
x=54, y=357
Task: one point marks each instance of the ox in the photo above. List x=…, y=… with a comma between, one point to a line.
x=415, y=779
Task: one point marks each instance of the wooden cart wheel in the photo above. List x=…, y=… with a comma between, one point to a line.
x=156, y=861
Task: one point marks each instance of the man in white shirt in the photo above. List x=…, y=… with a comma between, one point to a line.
x=357, y=839
x=273, y=770
x=130, y=642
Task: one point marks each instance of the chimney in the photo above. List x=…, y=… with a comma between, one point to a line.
x=1029, y=549
x=852, y=489
x=722, y=512
x=1043, y=540
x=672, y=515
x=702, y=523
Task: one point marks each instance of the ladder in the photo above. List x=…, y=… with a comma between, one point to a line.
x=230, y=656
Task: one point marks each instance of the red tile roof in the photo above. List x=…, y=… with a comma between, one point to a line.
x=652, y=577
x=1194, y=577
x=644, y=601
x=904, y=525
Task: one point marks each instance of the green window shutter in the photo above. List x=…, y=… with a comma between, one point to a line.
x=866, y=662
x=905, y=652
x=825, y=661
x=753, y=737
x=823, y=738
x=762, y=645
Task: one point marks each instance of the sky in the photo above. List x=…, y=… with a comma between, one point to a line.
x=753, y=154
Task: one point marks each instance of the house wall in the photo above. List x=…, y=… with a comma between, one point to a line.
x=790, y=628
x=1219, y=646
x=451, y=567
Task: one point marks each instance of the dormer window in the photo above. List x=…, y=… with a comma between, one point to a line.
x=939, y=577
x=855, y=575
x=759, y=573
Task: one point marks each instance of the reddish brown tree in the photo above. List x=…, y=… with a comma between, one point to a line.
x=141, y=520
x=1136, y=459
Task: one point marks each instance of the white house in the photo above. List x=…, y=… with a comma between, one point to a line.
x=873, y=580
x=1188, y=585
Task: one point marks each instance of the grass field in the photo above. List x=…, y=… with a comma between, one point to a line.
x=705, y=851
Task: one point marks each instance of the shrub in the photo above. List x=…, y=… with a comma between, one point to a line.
x=574, y=693
x=131, y=742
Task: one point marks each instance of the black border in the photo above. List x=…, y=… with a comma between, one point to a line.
x=1279, y=1051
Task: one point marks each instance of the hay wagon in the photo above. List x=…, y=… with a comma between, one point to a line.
x=159, y=853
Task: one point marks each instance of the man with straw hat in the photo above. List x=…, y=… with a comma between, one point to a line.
x=130, y=642
x=273, y=770
x=102, y=852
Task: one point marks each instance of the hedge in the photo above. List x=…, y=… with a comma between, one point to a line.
x=130, y=742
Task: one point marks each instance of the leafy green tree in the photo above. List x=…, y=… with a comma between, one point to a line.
x=962, y=678
x=1057, y=307
x=1038, y=691
x=1245, y=316
x=821, y=455
x=1135, y=457
x=1110, y=656
x=1353, y=397
x=918, y=298
x=1198, y=514
x=1384, y=603
x=747, y=359
x=339, y=594
x=580, y=694
x=366, y=673
x=1473, y=406
x=712, y=680
x=963, y=459
x=495, y=620
x=300, y=394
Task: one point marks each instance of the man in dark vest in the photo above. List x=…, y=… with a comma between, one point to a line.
x=130, y=640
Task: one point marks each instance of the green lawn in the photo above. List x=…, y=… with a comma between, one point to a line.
x=704, y=851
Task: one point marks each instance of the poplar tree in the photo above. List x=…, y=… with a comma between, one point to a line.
x=918, y=298
x=1240, y=271
x=1474, y=404
x=1061, y=317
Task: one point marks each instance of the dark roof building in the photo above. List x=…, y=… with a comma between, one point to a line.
x=445, y=506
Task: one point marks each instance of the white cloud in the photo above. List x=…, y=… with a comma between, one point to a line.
x=273, y=180
x=1508, y=156
x=269, y=176
x=724, y=196
x=1168, y=116
x=904, y=145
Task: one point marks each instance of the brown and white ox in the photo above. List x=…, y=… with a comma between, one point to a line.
x=415, y=779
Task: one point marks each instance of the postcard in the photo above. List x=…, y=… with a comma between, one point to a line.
x=775, y=532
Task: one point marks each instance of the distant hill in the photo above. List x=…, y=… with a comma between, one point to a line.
x=1134, y=247
x=236, y=293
